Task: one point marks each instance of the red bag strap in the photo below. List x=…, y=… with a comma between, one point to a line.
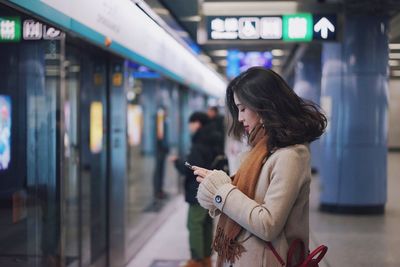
x=319, y=252
x=292, y=250
x=271, y=247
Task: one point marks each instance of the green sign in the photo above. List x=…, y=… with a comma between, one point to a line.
x=302, y=27
x=10, y=29
x=297, y=27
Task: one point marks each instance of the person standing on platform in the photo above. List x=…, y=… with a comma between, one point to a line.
x=216, y=120
x=268, y=198
x=162, y=150
x=199, y=223
x=217, y=123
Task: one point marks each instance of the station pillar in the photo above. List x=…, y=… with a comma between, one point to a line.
x=307, y=85
x=354, y=95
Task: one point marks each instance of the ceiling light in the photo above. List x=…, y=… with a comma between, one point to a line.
x=394, y=46
x=213, y=65
x=394, y=55
x=190, y=18
x=219, y=53
x=277, y=52
x=182, y=34
x=394, y=63
x=395, y=72
x=276, y=62
x=204, y=58
x=223, y=62
x=161, y=11
x=276, y=69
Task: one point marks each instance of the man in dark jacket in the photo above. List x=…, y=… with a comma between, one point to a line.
x=199, y=223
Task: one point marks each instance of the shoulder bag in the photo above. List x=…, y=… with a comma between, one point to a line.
x=311, y=260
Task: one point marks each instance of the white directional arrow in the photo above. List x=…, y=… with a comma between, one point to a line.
x=324, y=25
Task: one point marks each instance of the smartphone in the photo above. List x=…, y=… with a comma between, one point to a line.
x=187, y=164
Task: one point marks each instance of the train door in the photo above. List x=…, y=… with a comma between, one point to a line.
x=93, y=158
x=85, y=209
x=71, y=190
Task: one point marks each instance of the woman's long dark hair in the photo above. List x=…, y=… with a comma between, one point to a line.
x=288, y=119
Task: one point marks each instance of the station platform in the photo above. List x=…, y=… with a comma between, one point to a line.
x=353, y=240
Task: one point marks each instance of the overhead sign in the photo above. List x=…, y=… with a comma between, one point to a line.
x=325, y=27
x=271, y=28
x=36, y=30
x=231, y=28
x=302, y=27
x=10, y=29
x=297, y=27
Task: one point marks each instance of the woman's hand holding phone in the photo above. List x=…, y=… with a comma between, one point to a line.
x=200, y=172
x=188, y=165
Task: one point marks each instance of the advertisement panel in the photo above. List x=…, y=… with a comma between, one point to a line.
x=135, y=124
x=96, y=127
x=5, y=132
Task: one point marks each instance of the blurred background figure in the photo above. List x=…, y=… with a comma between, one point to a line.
x=217, y=123
x=216, y=120
x=202, y=153
x=234, y=150
x=162, y=150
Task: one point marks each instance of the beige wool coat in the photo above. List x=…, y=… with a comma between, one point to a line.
x=280, y=211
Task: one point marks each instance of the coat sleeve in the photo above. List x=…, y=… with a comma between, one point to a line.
x=266, y=220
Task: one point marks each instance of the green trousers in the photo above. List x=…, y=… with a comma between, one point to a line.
x=200, y=232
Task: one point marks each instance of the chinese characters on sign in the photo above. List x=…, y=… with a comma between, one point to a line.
x=246, y=28
x=271, y=28
x=297, y=27
x=35, y=30
x=10, y=29
x=224, y=28
x=32, y=30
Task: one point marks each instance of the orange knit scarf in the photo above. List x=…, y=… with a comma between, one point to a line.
x=246, y=178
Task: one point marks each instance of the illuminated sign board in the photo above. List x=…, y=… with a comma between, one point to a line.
x=297, y=27
x=325, y=27
x=96, y=127
x=35, y=30
x=10, y=29
x=271, y=28
x=5, y=132
x=302, y=27
x=239, y=61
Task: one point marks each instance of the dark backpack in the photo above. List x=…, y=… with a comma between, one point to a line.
x=220, y=162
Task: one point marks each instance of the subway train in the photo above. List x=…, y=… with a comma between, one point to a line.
x=81, y=112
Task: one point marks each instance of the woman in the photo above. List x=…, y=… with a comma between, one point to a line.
x=268, y=198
